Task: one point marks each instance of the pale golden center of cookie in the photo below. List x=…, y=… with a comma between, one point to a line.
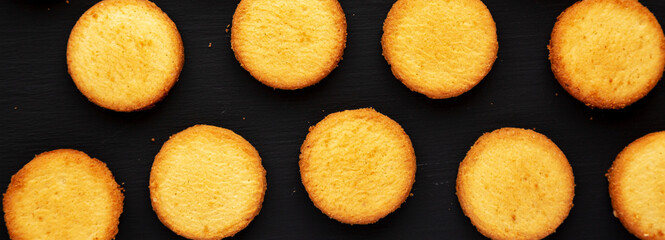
x=641, y=186
x=289, y=44
x=440, y=48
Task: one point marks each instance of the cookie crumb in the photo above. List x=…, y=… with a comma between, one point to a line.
x=227, y=28
x=152, y=139
x=209, y=44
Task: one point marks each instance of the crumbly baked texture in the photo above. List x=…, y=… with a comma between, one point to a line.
x=63, y=194
x=125, y=55
x=357, y=166
x=207, y=183
x=515, y=184
x=637, y=186
x=440, y=48
x=288, y=44
x=607, y=53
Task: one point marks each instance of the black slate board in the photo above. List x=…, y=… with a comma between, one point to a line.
x=41, y=110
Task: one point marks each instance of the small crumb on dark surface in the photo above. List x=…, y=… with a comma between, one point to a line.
x=556, y=94
x=15, y=108
x=48, y=9
x=152, y=139
x=410, y=194
x=591, y=118
x=209, y=44
x=227, y=28
x=243, y=118
x=67, y=1
x=323, y=110
x=491, y=103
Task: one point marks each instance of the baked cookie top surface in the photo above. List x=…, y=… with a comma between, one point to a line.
x=63, y=194
x=125, y=55
x=207, y=183
x=515, y=184
x=357, y=166
x=440, y=48
x=288, y=44
x=607, y=53
x=637, y=186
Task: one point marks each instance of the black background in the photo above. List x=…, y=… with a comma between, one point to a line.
x=41, y=110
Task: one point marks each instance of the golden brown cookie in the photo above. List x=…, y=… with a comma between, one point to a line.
x=607, y=53
x=207, y=183
x=288, y=44
x=357, y=166
x=125, y=55
x=637, y=186
x=63, y=194
x=440, y=48
x=515, y=184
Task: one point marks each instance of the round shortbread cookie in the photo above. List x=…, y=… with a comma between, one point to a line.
x=440, y=48
x=637, y=186
x=515, y=184
x=607, y=53
x=207, y=183
x=357, y=166
x=63, y=194
x=125, y=55
x=288, y=44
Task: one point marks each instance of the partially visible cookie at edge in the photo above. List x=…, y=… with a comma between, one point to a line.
x=63, y=194
x=637, y=186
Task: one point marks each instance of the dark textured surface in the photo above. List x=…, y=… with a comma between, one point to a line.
x=41, y=110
